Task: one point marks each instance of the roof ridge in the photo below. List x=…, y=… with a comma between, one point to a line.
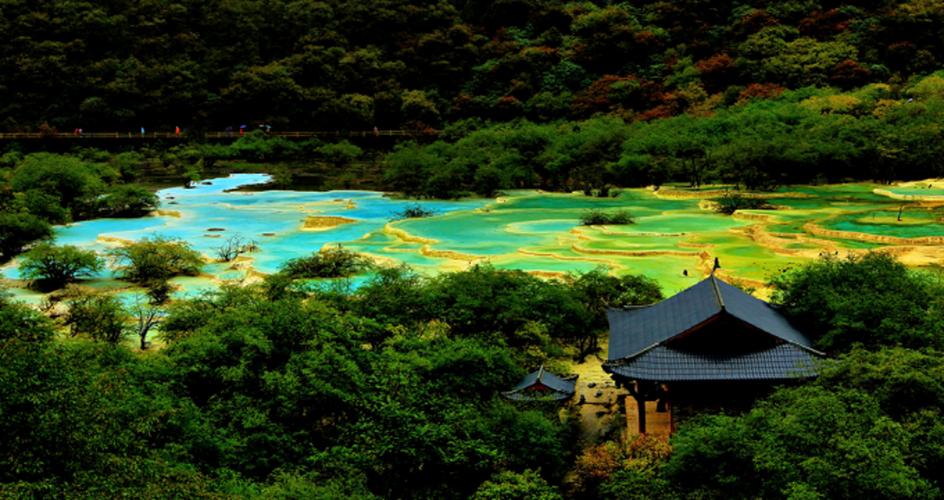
x=626, y=359
x=717, y=290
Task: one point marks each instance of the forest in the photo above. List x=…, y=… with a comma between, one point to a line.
x=307, y=64
x=391, y=387
x=391, y=390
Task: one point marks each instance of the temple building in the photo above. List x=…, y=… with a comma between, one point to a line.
x=712, y=346
x=542, y=385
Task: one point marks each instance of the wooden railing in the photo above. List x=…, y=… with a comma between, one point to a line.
x=214, y=135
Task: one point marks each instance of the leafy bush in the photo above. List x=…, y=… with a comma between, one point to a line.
x=156, y=259
x=19, y=230
x=328, y=263
x=527, y=485
x=873, y=300
x=414, y=211
x=828, y=443
x=597, y=217
x=732, y=202
x=127, y=201
x=51, y=267
x=99, y=317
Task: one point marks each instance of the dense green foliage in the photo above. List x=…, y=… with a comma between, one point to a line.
x=873, y=300
x=602, y=217
x=808, y=135
x=41, y=189
x=392, y=63
x=328, y=263
x=732, y=202
x=527, y=485
x=98, y=317
x=283, y=389
x=127, y=201
x=316, y=393
x=289, y=389
x=869, y=428
x=156, y=259
x=50, y=267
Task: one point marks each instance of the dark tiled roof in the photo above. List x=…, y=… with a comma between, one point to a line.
x=782, y=362
x=756, y=312
x=632, y=331
x=638, y=339
x=559, y=388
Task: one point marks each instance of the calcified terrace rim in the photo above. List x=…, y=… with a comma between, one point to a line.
x=674, y=239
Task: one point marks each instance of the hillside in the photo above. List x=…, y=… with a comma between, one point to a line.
x=306, y=64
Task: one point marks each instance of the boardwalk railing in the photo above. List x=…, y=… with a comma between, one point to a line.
x=215, y=135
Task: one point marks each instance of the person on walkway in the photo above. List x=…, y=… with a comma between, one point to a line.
x=177, y=131
x=142, y=131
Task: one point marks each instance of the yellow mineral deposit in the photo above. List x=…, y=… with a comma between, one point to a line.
x=324, y=222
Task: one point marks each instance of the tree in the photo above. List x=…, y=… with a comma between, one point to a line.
x=509, y=485
x=598, y=291
x=328, y=263
x=830, y=443
x=75, y=183
x=732, y=202
x=340, y=153
x=872, y=300
x=147, y=315
x=51, y=267
x=17, y=230
x=127, y=201
x=99, y=317
x=22, y=324
x=233, y=247
x=596, y=217
x=156, y=259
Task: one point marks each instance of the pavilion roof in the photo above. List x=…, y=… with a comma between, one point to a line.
x=640, y=338
x=557, y=387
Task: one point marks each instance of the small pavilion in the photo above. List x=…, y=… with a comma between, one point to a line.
x=542, y=385
x=712, y=346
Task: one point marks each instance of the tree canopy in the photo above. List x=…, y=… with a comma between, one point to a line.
x=332, y=64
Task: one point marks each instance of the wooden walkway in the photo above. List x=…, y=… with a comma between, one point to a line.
x=306, y=134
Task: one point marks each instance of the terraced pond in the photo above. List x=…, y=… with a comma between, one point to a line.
x=674, y=239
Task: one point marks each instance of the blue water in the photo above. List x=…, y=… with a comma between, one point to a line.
x=273, y=219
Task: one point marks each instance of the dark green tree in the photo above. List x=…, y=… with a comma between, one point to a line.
x=51, y=267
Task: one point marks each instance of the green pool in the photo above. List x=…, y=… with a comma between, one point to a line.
x=674, y=239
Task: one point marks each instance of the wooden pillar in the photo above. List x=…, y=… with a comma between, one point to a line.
x=639, y=394
x=641, y=409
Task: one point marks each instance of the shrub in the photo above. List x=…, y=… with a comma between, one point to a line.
x=100, y=317
x=19, y=230
x=509, y=485
x=127, y=201
x=732, y=202
x=155, y=259
x=596, y=217
x=329, y=263
x=414, y=211
x=51, y=267
x=873, y=300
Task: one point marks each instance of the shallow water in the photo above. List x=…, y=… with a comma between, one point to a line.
x=529, y=230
